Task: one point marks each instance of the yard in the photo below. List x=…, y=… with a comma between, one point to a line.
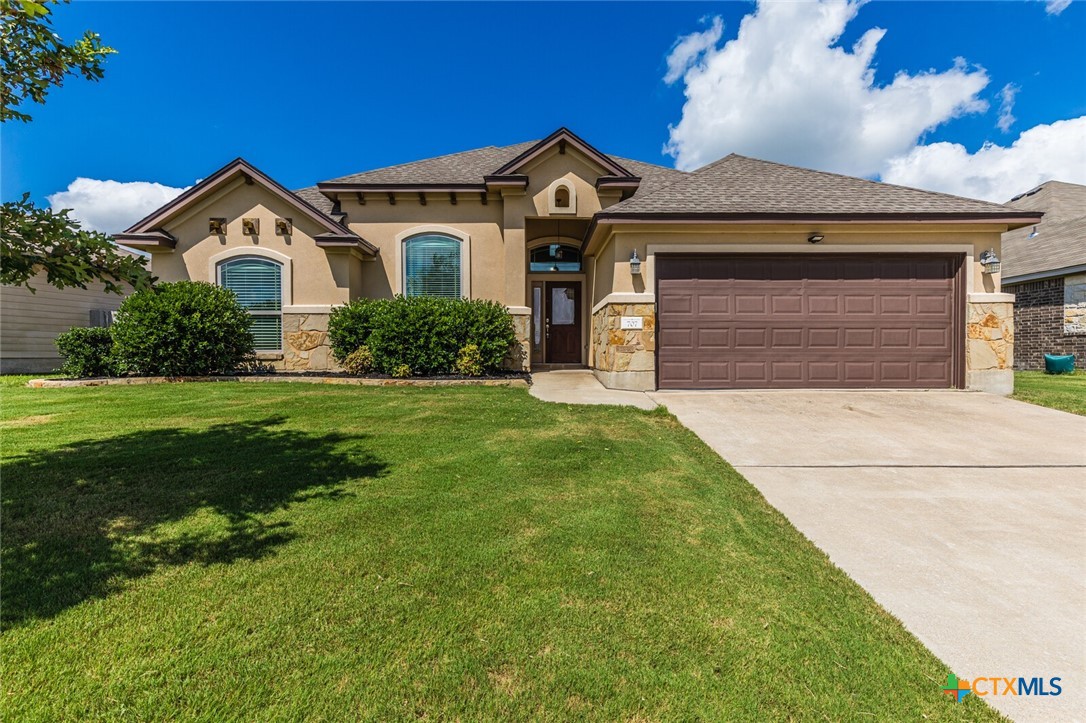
x=1066, y=392
x=274, y=551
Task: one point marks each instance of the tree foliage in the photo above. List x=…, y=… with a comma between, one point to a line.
x=35, y=59
x=37, y=239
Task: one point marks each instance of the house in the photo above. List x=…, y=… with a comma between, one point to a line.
x=31, y=320
x=742, y=274
x=1044, y=266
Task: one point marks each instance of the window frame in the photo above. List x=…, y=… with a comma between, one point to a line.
x=282, y=267
x=431, y=230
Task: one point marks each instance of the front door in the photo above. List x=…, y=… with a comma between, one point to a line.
x=562, y=322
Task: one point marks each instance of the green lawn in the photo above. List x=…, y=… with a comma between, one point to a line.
x=274, y=552
x=1066, y=392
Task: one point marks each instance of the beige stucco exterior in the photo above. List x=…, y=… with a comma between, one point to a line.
x=495, y=231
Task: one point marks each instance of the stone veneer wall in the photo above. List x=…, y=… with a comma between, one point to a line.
x=624, y=358
x=520, y=356
x=305, y=344
x=1049, y=318
x=989, y=346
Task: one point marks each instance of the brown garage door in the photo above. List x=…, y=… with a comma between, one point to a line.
x=809, y=321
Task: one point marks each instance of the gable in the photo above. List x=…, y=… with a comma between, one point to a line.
x=563, y=140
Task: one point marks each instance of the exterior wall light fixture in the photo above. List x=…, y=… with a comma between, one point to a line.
x=635, y=264
x=989, y=262
x=1033, y=233
x=815, y=238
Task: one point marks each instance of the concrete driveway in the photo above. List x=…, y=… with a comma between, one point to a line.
x=963, y=514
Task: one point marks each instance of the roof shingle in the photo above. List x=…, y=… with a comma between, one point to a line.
x=1060, y=242
x=740, y=185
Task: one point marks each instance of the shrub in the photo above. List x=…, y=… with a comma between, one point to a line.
x=426, y=334
x=182, y=328
x=402, y=371
x=359, y=361
x=349, y=327
x=469, y=361
x=87, y=352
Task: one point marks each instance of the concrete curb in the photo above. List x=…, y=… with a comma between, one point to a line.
x=272, y=378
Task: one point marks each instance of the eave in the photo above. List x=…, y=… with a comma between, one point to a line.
x=349, y=242
x=1011, y=220
x=149, y=241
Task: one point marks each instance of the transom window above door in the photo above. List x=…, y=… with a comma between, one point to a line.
x=554, y=258
x=432, y=266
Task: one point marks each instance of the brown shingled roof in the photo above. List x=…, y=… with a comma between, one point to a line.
x=470, y=167
x=736, y=185
x=1060, y=242
x=454, y=168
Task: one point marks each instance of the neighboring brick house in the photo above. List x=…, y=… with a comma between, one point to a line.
x=1044, y=266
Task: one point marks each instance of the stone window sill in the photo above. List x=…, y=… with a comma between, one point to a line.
x=269, y=356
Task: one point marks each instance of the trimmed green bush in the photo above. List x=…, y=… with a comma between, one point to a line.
x=349, y=327
x=182, y=328
x=359, y=361
x=402, y=371
x=87, y=352
x=425, y=334
x=469, y=361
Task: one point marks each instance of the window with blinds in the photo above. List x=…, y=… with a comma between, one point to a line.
x=258, y=286
x=432, y=267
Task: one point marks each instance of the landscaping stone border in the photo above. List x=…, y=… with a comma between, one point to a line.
x=518, y=382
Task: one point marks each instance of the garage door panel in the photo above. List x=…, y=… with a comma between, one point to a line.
x=812, y=321
x=935, y=304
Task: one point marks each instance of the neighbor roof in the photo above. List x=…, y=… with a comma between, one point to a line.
x=738, y=186
x=1060, y=244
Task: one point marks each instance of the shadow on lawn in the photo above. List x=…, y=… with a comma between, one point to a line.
x=80, y=520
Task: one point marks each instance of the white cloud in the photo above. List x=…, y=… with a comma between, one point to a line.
x=781, y=91
x=111, y=206
x=1055, y=7
x=1006, y=107
x=997, y=173
x=689, y=48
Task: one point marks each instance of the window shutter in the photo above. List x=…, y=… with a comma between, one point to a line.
x=432, y=267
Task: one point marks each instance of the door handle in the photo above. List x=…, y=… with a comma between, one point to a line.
x=547, y=328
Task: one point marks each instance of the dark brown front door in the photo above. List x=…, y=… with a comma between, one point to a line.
x=806, y=321
x=563, y=322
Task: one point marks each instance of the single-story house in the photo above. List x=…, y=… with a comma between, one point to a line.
x=30, y=321
x=1044, y=266
x=743, y=274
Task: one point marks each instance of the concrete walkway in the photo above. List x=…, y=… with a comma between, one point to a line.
x=580, y=386
x=963, y=514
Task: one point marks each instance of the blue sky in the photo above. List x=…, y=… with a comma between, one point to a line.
x=310, y=91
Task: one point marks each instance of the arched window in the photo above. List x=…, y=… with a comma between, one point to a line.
x=432, y=266
x=258, y=284
x=554, y=258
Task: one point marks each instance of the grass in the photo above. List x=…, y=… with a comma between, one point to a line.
x=1066, y=392
x=283, y=552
